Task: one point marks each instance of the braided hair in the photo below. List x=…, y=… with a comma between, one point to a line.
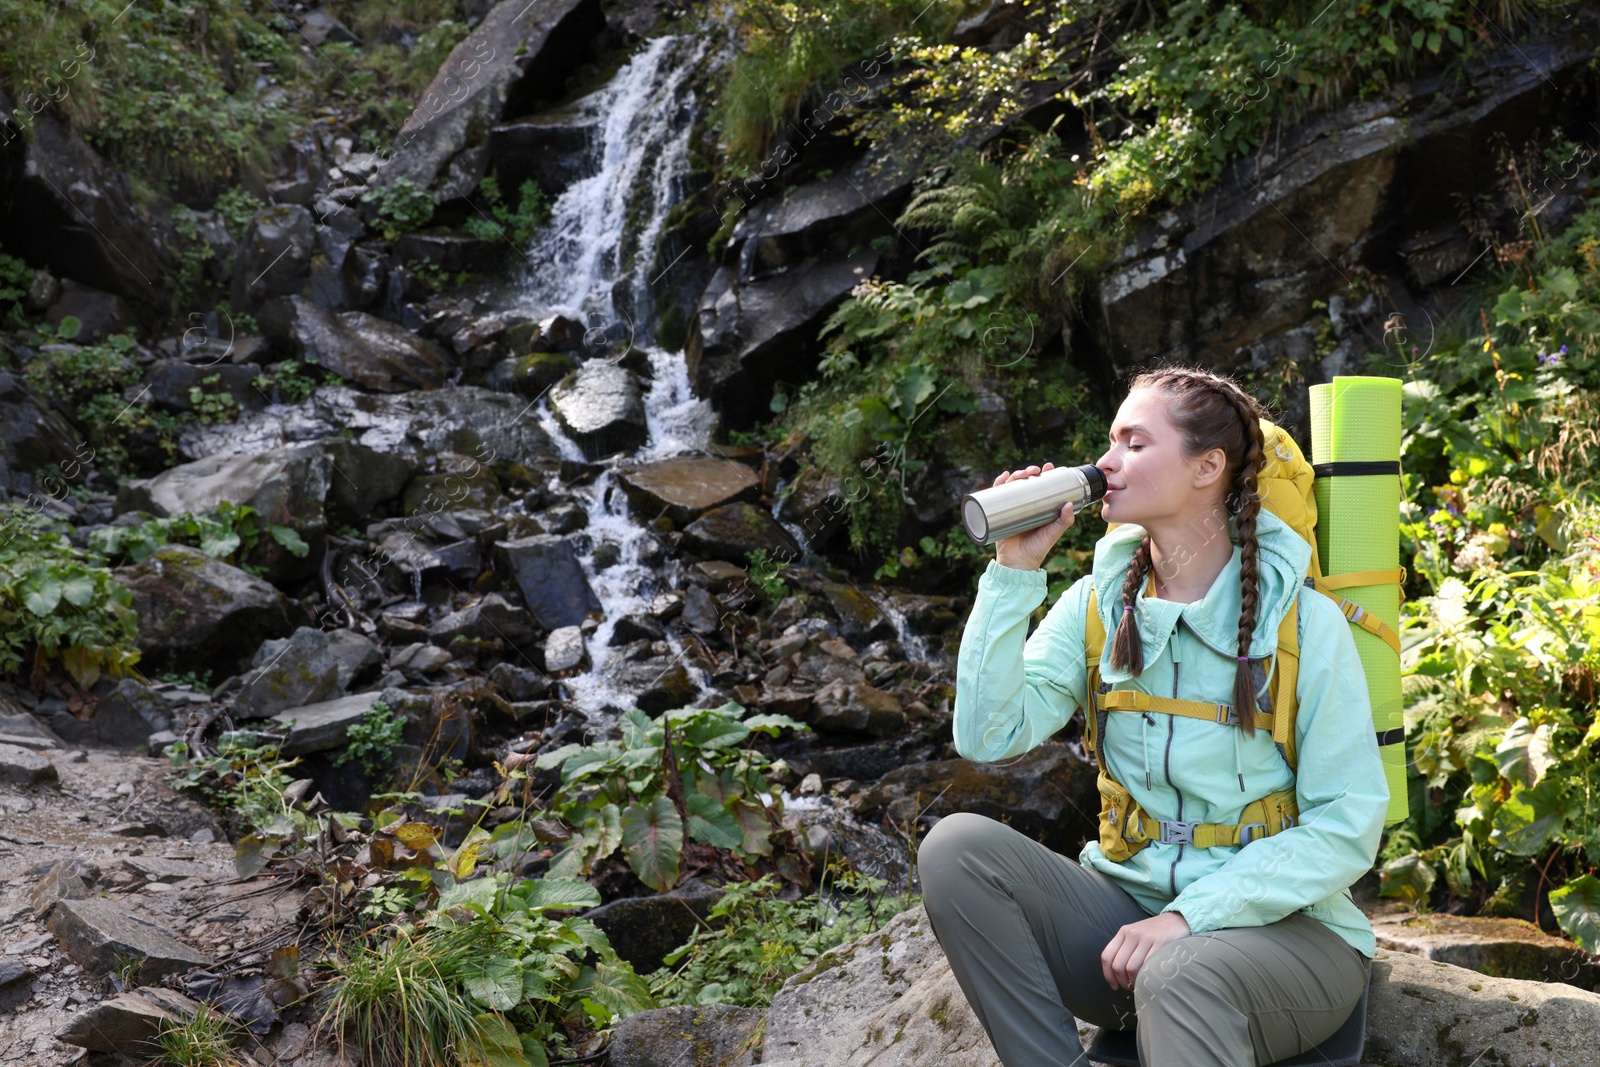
x=1210, y=411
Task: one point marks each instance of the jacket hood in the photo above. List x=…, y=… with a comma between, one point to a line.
x=1282, y=559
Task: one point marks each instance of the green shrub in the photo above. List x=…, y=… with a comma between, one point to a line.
x=228, y=532
x=402, y=206
x=516, y=226
x=372, y=740
x=60, y=605
x=72, y=373
x=646, y=796
x=16, y=278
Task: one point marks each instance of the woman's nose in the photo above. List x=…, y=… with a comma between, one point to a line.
x=1107, y=460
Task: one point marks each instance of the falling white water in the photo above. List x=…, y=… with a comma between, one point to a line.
x=595, y=253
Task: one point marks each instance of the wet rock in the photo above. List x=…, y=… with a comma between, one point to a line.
x=34, y=438
x=748, y=335
x=795, y=703
x=701, y=612
x=685, y=487
x=21, y=766
x=548, y=149
x=101, y=934
x=452, y=252
x=84, y=220
x=371, y=352
x=61, y=882
x=1048, y=794
x=517, y=56
x=859, y=709
x=531, y=375
x=274, y=259
x=518, y=683
x=419, y=658
x=632, y=628
x=722, y=578
x=318, y=727
x=733, y=531
x=1505, y=948
x=600, y=407
x=128, y=1022
x=358, y=657
x=100, y=314
x=859, y=617
x=463, y=485
x=658, y=685
x=289, y=673
x=565, y=650
x=644, y=929
x=865, y=762
x=170, y=381
x=707, y=1035
x=553, y=584
x=488, y=619
x=124, y=718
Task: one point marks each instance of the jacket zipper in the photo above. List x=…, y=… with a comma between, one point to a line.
x=1167, y=763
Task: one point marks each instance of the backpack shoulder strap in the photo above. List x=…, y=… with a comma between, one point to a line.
x=1285, y=704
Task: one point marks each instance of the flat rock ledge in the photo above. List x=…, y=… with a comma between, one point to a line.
x=890, y=1000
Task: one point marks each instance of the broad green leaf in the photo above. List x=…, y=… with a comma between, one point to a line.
x=1511, y=754
x=652, y=841
x=590, y=935
x=1577, y=909
x=755, y=826
x=479, y=891
x=1525, y=824
x=637, y=730
x=497, y=1046
x=556, y=757
x=288, y=538
x=219, y=544
x=545, y=893
x=716, y=733
x=495, y=982
x=42, y=596
x=771, y=724
x=78, y=589
x=1410, y=878
x=712, y=823
x=617, y=987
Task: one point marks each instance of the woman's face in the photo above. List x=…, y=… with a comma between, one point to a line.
x=1148, y=477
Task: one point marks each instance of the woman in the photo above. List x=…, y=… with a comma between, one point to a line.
x=1227, y=955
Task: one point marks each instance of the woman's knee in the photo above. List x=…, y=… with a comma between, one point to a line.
x=1174, y=972
x=952, y=839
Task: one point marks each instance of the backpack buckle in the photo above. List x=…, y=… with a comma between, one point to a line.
x=1176, y=832
x=1245, y=834
x=1226, y=715
x=1285, y=821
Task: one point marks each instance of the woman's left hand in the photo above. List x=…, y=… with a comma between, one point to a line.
x=1122, y=957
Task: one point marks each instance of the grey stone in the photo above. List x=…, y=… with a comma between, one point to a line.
x=631, y=628
x=100, y=935
x=1503, y=947
x=60, y=882
x=487, y=619
x=201, y=609
x=644, y=929
x=13, y=974
x=685, y=487
x=565, y=650
x=25, y=730
x=33, y=438
x=319, y=727
x=701, y=612
x=420, y=657
x=553, y=584
x=519, y=684
x=520, y=54
x=289, y=673
x=600, y=407
x=658, y=685
x=732, y=531
x=357, y=655
x=123, y=718
x=21, y=766
x=128, y=1022
x=709, y=1035
x=371, y=352
x=275, y=257
x=861, y=709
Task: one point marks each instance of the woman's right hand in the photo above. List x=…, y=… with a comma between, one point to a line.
x=1027, y=550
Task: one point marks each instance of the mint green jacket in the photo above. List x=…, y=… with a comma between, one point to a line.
x=1014, y=690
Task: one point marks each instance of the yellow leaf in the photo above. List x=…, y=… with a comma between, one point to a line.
x=417, y=836
x=465, y=861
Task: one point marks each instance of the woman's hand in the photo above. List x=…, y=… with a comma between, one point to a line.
x=1027, y=550
x=1122, y=957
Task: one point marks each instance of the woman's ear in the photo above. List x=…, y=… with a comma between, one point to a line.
x=1209, y=467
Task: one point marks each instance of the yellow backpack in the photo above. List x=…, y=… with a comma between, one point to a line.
x=1286, y=487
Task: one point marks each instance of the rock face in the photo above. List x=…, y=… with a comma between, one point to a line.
x=192, y=606
x=599, y=406
x=289, y=673
x=33, y=438
x=684, y=487
x=374, y=354
x=733, y=531
x=716, y=1035
x=1049, y=794
x=519, y=54
x=275, y=259
x=1505, y=948
x=546, y=569
x=322, y=726
x=101, y=935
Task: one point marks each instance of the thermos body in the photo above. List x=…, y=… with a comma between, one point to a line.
x=1024, y=503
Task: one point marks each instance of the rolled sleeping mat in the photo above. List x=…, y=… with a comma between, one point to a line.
x=1355, y=452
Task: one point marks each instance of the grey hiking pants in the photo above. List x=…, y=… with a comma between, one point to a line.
x=1023, y=928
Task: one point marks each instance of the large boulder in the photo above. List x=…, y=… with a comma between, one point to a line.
x=520, y=54
x=129, y=1022
x=68, y=209
x=600, y=407
x=890, y=1000
x=685, y=487
x=197, y=610
x=275, y=258
x=374, y=354
x=554, y=586
x=644, y=929
x=732, y=531
x=289, y=672
x=34, y=441
x=124, y=717
x=101, y=935
x=708, y=1035
x=1048, y=794
x=1503, y=947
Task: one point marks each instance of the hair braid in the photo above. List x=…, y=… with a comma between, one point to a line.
x=1247, y=506
x=1127, y=651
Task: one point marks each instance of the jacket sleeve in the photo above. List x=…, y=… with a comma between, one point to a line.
x=1012, y=690
x=1339, y=785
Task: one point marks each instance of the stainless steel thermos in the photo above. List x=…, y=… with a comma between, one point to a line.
x=1023, y=503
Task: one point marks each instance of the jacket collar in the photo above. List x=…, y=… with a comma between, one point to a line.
x=1282, y=559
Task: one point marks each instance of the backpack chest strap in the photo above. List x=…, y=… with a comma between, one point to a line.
x=1133, y=700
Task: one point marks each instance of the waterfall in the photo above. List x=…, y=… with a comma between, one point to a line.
x=591, y=261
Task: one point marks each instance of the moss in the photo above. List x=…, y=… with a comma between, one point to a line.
x=940, y=1014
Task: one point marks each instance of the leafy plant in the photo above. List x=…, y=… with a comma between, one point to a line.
x=514, y=225
x=210, y=407
x=372, y=740
x=401, y=206
x=688, y=775
x=229, y=532
x=16, y=278
x=753, y=939
x=237, y=207
x=292, y=381
x=765, y=573
x=72, y=372
x=60, y=604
